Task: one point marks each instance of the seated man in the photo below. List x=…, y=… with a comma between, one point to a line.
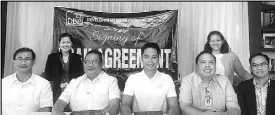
x=257, y=95
x=150, y=90
x=95, y=90
x=24, y=92
x=205, y=93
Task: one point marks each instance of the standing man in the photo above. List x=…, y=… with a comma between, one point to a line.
x=24, y=92
x=256, y=96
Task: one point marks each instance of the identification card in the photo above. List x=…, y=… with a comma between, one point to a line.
x=208, y=101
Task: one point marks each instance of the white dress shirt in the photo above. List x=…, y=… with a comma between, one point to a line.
x=219, y=65
x=150, y=94
x=84, y=94
x=22, y=98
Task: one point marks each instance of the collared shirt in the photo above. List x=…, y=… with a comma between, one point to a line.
x=22, y=98
x=261, y=94
x=219, y=65
x=84, y=94
x=192, y=91
x=150, y=94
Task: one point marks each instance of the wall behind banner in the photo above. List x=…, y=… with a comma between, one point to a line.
x=30, y=24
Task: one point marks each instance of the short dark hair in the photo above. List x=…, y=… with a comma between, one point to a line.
x=204, y=52
x=225, y=47
x=66, y=35
x=150, y=45
x=95, y=51
x=24, y=49
x=258, y=54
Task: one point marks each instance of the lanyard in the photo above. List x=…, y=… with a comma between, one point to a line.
x=208, y=98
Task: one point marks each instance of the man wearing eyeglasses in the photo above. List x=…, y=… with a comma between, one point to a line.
x=95, y=90
x=257, y=95
x=203, y=92
x=24, y=92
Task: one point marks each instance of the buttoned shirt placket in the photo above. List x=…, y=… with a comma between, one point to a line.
x=261, y=94
x=21, y=95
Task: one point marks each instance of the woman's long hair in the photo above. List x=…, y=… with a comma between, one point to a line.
x=225, y=47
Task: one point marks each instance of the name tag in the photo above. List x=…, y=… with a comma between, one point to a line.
x=208, y=101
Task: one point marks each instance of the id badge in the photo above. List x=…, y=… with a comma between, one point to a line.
x=208, y=101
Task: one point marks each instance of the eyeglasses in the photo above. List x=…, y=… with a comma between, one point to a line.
x=264, y=64
x=23, y=59
x=91, y=62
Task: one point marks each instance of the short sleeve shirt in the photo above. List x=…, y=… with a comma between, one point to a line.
x=22, y=98
x=84, y=94
x=192, y=91
x=150, y=94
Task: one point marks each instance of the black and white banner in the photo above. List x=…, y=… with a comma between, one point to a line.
x=120, y=36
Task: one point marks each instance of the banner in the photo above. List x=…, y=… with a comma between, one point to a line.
x=120, y=36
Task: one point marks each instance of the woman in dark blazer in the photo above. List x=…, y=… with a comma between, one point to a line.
x=63, y=66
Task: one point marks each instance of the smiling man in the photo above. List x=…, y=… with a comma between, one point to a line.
x=205, y=93
x=149, y=90
x=256, y=96
x=95, y=90
x=24, y=92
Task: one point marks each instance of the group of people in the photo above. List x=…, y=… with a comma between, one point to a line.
x=81, y=84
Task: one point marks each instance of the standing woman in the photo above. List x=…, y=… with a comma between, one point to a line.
x=63, y=66
x=227, y=61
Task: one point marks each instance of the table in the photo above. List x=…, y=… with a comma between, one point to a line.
x=67, y=113
x=46, y=113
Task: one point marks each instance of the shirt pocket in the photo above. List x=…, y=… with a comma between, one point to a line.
x=197, y=97
x=35, y=98
x=9, y=99
x=101, y=91
x=219, y=100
